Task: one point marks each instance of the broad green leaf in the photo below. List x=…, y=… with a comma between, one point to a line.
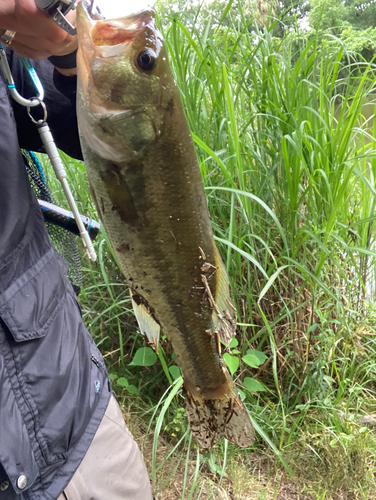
x=145, y=356
x=253, y=385
x=122, y=382
x=232, y=362
x=260, y=355
x=233, y=343
x=112, y=376
x=251, y=360
x=133, y=390
x=175, y=372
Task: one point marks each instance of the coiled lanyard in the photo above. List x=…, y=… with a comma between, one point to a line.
x=47, y=139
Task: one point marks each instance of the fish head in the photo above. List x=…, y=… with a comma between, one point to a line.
x=125, y=83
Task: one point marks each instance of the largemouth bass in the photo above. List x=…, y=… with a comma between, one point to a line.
x=146, y=184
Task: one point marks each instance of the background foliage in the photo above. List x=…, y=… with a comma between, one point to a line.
x=280, y=101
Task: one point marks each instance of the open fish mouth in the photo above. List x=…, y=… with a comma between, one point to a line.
x=107, y=33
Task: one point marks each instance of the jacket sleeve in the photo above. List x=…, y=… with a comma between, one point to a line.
x=60, y=101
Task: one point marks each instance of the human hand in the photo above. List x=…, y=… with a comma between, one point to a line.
x=37, y=36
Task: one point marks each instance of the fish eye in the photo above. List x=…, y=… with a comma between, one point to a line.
x=147, y=60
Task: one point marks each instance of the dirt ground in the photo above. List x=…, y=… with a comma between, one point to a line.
x=261, y=483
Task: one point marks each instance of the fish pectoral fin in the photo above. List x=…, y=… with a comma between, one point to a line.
x=133, y=130
x=147, y=324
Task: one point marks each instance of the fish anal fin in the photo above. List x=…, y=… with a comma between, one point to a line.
x=145, y=319
x=210, y=419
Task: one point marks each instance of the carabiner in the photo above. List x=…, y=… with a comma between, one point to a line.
x=30, y=103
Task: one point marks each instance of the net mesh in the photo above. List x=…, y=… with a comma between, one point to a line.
x=63, y=241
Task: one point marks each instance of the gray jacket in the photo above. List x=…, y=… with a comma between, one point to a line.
x=54, y=387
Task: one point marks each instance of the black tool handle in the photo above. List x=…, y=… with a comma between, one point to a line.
x=64, y=218
x=51, y=5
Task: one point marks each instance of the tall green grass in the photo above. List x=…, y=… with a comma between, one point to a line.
x=289, y=168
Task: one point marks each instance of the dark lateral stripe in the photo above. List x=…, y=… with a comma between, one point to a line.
x=120, y=195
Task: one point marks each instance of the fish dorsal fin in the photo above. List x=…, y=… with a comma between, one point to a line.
x=224, y=311
x=147, y=324
x=220, y=297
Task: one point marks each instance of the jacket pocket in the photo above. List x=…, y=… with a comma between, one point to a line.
x=50, y=356
x=31, y=303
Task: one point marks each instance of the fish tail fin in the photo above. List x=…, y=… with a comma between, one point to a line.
x=210, y=419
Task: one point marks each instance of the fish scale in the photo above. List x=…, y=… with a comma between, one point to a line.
x=146, y=184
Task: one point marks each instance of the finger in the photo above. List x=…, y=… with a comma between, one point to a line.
x=28, y=52
x=39, y=44
x=35, y=24
x=39, y=48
